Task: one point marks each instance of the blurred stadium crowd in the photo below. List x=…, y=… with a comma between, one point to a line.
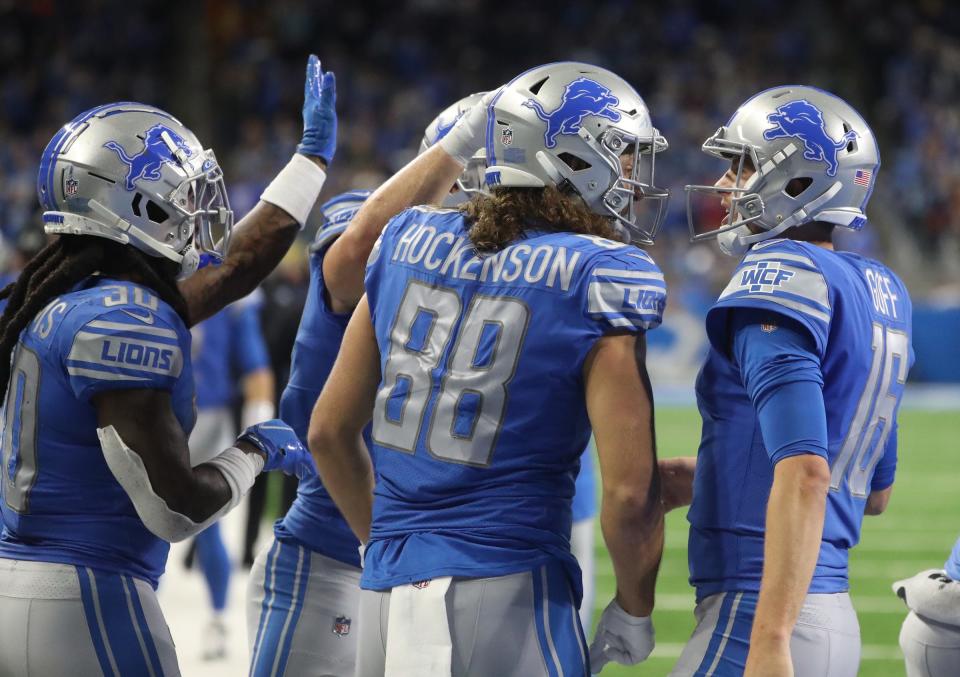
x=232, y=71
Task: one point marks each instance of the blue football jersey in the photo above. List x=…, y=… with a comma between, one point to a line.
x=314, y=520
x=480, y=418
x=859, y=315
x=61, y=503
x=228, y=343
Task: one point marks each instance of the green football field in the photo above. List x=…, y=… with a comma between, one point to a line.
x=916, y=532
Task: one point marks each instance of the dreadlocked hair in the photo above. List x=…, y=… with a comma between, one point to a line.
x=64, y=263
x=503, y=217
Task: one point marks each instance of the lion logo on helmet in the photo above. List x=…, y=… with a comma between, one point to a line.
x=156, y=152
x=581, y=98
x=804, y=121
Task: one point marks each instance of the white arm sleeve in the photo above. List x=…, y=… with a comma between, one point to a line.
x=239, y=469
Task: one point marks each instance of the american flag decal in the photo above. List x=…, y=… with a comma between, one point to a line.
x=862, y=177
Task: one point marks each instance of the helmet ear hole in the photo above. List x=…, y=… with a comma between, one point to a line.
x=573, y=162
x=852, y=143
x=796, y=186
x=155, y=212
x=536, y=86
x=135, y=206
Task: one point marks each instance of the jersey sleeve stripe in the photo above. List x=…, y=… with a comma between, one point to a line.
x=135, y=328
x=132, y=334
x=643, y=256
x=104, y=375
x=139, y=372
x=651, y=323
x=805, y=308
x=627, y=274
x=326, y=236
x=776, y=256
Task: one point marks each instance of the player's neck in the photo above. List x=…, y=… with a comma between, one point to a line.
x=826, y=244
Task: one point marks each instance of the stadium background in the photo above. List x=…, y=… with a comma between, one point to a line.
x=232, y=71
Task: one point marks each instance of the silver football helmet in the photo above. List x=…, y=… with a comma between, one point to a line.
x=134, y=174
x=470, y=182
x=583, y=129
x=787, y=133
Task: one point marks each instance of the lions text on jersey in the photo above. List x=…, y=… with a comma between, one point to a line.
x=61, y=503
x=858, y=314
x=480, y=419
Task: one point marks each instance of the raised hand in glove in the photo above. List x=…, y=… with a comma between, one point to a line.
x=319, y=112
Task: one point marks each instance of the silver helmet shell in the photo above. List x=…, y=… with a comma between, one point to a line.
x=786, y=133
x=578, y=127
x=470, y=182
x=135, y=174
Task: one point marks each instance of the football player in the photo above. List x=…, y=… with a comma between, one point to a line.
x=489, y=340
x=810, y=349
x=930, y=636
x=228, y=350
x=99, y=386
x=303, y=591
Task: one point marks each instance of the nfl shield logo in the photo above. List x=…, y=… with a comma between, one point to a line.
x=341, y=626
x=70, y=187
x=420, y=585
x=506, y=136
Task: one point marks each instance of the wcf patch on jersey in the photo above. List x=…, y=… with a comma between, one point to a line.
x=764, y=276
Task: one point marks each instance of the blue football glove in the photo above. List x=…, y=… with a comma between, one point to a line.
x=282, y=447
x=319, y=112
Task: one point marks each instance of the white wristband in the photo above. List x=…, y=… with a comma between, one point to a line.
x=296, y=188
x=240, y=470
x=255, y=411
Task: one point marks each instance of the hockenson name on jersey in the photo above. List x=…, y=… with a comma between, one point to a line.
x=544, y=265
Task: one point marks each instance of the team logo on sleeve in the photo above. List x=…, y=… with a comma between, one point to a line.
x=341, y=626
x=764, y=276
x=804, y=121
x=156, y=152
x=581, y=98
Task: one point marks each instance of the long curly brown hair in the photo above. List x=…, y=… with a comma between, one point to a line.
x=503, y=217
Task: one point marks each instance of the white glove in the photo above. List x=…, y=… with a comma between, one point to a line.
x=931, y=594
x=469, y=134
x=620, y=638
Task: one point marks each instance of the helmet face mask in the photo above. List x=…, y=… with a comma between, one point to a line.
x=202, y=200
x=788, y=134
x=746, y=205
x=134, y=174
x=575, y=126
x=633, y=159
